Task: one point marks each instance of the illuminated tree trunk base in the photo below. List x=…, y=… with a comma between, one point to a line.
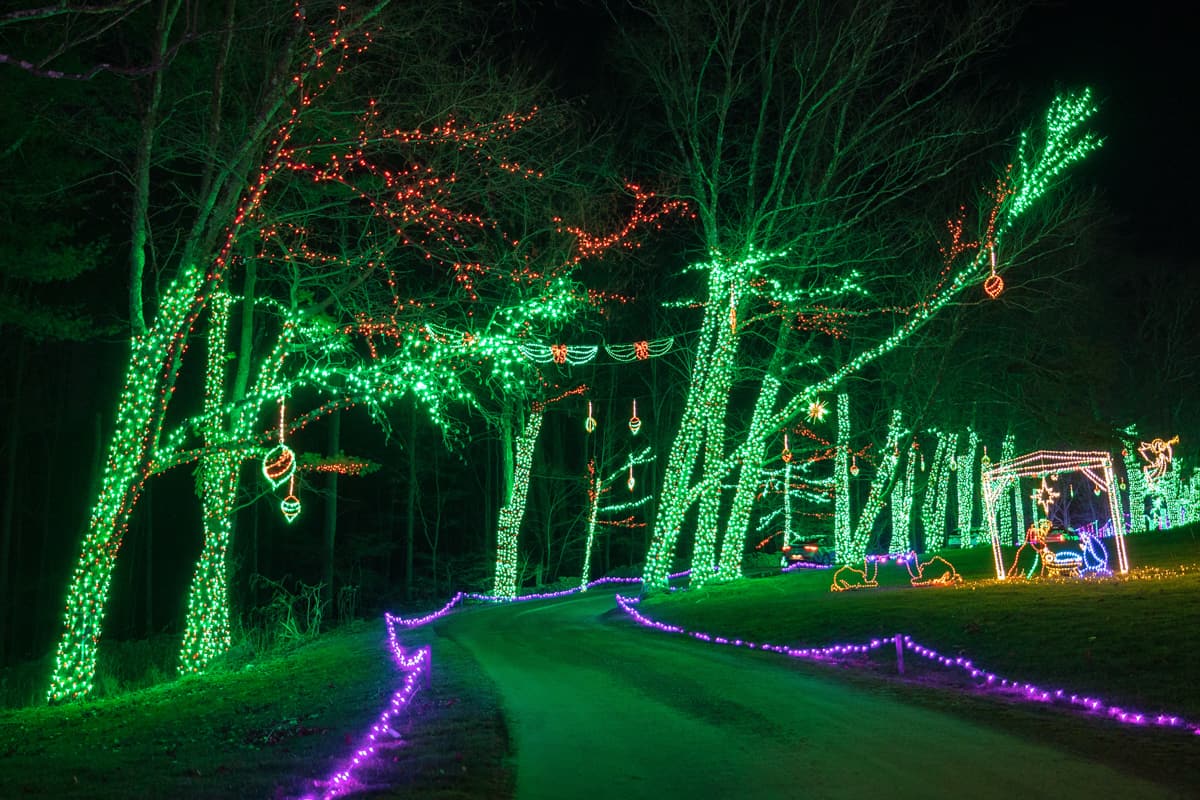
x=878, y=494
x=141, y=406
x=207, y=634
x=902, y=507
x=733, y=545
x=675, y=498
x=509, y=527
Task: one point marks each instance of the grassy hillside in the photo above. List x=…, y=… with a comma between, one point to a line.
x=266, y=730
x=1128, y=639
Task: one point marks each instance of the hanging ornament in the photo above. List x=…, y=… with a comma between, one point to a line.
x=279, y=464
x=589, y=424
x=853, y=465
x=953, y=464
x=635, y=424
x=922, y=462
x=985, y=461
x=1122, y=484
x=817, y=410
x=994, y=284
x=1096, y=491
x=786, y=455
x=630, y=483
x=290, y=506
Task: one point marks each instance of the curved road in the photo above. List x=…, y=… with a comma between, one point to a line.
x=598, y=707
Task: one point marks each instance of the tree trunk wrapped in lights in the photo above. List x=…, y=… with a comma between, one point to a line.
x=937, y=489
x=902, y=502
x=504, y=585
x=965, y=466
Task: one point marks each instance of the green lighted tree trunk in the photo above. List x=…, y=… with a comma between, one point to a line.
x=207, y=633
x=733, y=545
x=508, y=528
x=708, y=519
x=674, y=497
x=153, y=364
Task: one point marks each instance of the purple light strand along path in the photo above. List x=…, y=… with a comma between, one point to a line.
x=457, y=600
x=1026, y=691
x=416, y=671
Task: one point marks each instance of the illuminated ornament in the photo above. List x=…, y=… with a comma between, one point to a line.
x=994, y=284
x=985, y=462
x=279, y=464
x=559, y=353
x=854, y=465
x=786, y=455
x=630, y=483
x=635, y=424
x=817, y=410
x=589, y=424
x=290, y=506
x=1044, y=496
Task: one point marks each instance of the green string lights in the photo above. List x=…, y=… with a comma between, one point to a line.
x=139, y=413
x=933, y=507
x=598, y=487
x=733, y=544
x=1009, y=500
x=207, y=629
x=965, y=464
x=877, y=495
x=509, y=527
x=842, y=532
x=902, y=502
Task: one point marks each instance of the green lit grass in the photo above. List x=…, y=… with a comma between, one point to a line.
x=1131, y=641
x=265, y=730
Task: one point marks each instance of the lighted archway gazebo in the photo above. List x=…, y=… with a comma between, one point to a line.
x=1095, y=465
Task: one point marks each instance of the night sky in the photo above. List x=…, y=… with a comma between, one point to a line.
x=1139, y=58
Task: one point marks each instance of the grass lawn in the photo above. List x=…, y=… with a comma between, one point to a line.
x=266, y=730
x=1129, y=640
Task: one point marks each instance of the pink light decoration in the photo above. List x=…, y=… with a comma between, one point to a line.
x=985, y=680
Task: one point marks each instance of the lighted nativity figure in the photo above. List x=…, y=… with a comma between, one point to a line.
x=1035, y=555
x=1158, y=455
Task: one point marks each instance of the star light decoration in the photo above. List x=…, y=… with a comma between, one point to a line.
x=1044, y=495
x=817, y=410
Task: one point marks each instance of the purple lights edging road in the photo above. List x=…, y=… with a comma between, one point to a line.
x=987, y=680
x=416, y=670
